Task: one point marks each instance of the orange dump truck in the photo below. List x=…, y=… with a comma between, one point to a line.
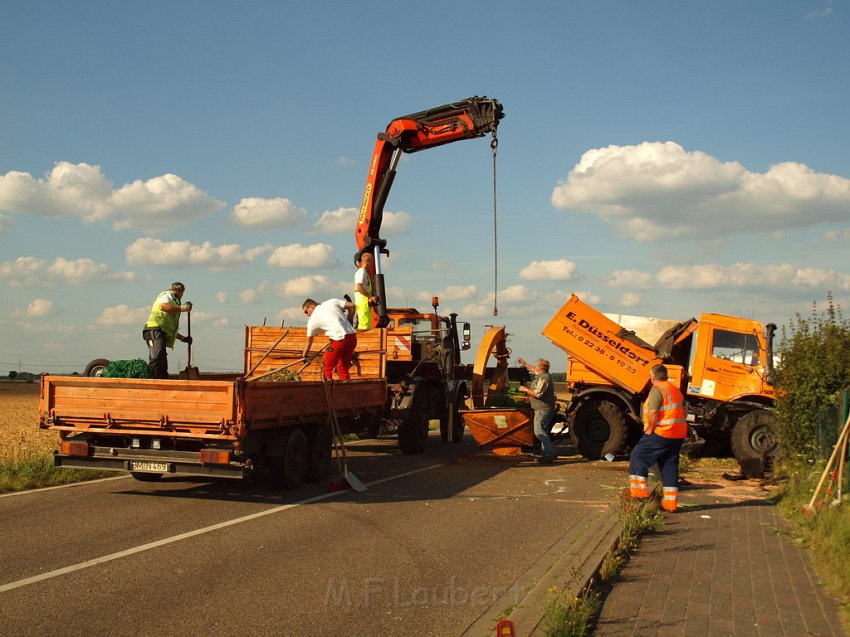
x=237, y=425
x=723, y=365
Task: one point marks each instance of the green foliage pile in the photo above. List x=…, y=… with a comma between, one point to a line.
x=136, y=368
x=279, y=375
x=814, y=368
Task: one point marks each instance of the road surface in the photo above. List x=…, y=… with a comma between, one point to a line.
x=427, y=549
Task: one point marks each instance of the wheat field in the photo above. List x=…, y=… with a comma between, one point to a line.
x=20, y=437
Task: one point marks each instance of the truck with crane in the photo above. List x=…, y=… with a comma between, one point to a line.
x=407, y=372
x=723, y=365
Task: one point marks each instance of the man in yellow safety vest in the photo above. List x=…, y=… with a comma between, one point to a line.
x=160, y=330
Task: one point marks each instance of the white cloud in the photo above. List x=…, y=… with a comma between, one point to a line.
x=634, y=279
x=317, y=255
x=344, y=220
x=162, y=203
x=120, y=315
x=555, y=270
x=37, y=308
x=313, y=285
x=221, y=298
x=149, y=251
x=264, y=214
x=35, y=272
x=248, y=296
x=337, y=221
x=747, y=275
x=82, y=190
x=656, y=190
x=630, y=299
x=395, y=223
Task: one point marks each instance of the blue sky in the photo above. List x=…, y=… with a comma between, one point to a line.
x=658, y=158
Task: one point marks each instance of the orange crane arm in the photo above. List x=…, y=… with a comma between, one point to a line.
x=464, y=119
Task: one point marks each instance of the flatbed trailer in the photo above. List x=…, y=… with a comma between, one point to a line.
x=237, y=426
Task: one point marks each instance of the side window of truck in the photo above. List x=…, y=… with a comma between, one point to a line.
x=735, y=346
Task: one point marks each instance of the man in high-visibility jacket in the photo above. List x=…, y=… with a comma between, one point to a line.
x=664, y=429
x=160, y=330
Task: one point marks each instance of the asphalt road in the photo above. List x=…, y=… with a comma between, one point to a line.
x=426, y=550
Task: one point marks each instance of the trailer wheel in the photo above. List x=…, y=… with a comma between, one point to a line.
x=753, y=442
x=96, y=367
x=598, y=428
x=296, y=459
x=142, y=476
x=321, y=452
x=413, y=432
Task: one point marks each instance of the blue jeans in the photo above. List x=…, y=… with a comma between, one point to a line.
x=542, y=425
x=653, y=448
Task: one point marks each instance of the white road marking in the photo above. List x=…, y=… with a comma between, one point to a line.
x=183, y=536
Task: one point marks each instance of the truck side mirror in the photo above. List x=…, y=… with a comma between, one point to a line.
x=467, y=336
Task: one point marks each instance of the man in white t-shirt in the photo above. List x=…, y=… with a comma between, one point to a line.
x=332, y=318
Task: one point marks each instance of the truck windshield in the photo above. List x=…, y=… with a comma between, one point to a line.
x=736, y=347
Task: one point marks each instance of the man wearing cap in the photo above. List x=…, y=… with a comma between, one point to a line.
x=333, y=318
x=160, y=330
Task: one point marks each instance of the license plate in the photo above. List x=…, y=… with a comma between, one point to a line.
x=143, y=465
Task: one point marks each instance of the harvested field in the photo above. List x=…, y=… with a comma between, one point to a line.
x=20, y=437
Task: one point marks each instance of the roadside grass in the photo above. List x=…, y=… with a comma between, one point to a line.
x=576, y=617
x=824, y=532
x=38, y=471
x=26, y=452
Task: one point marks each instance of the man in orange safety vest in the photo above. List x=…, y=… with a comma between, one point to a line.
x=665, y=429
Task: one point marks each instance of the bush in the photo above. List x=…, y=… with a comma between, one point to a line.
x=814, y=367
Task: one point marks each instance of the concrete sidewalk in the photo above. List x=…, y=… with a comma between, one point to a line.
x=722, y=565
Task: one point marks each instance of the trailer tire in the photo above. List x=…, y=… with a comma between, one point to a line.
x=96, y=367
x=142, y=476
x=321, y=454
x=598, y=428
x=413, y=432
x=754, y=442
x=296, y=459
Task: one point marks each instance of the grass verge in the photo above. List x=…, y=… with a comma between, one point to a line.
x=38, y=471
x=576, y=617
x=824, y=532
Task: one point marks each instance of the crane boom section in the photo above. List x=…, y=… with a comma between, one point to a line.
x=464, y=119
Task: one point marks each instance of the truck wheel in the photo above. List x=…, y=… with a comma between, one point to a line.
x=141, y=476
x=96, y=367
x=753, y=442
x=413, y=432
x=321, y=452
x=296, y=459
x=598, y=428
x=373, y=426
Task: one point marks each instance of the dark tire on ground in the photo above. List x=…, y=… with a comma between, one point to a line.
x=296, y=459
x=321, y=454
x=413, y=432
x=754, y=442
x=598, y=428
x=96, y=367
x=142, y=476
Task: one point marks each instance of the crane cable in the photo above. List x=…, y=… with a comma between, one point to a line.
x=494, y=144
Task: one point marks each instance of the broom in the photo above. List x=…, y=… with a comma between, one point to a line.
x=346, y=478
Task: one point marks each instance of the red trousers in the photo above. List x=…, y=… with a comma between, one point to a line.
x=338, y=355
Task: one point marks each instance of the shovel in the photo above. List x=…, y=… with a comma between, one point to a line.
x=346, y=478
x=190, y=373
